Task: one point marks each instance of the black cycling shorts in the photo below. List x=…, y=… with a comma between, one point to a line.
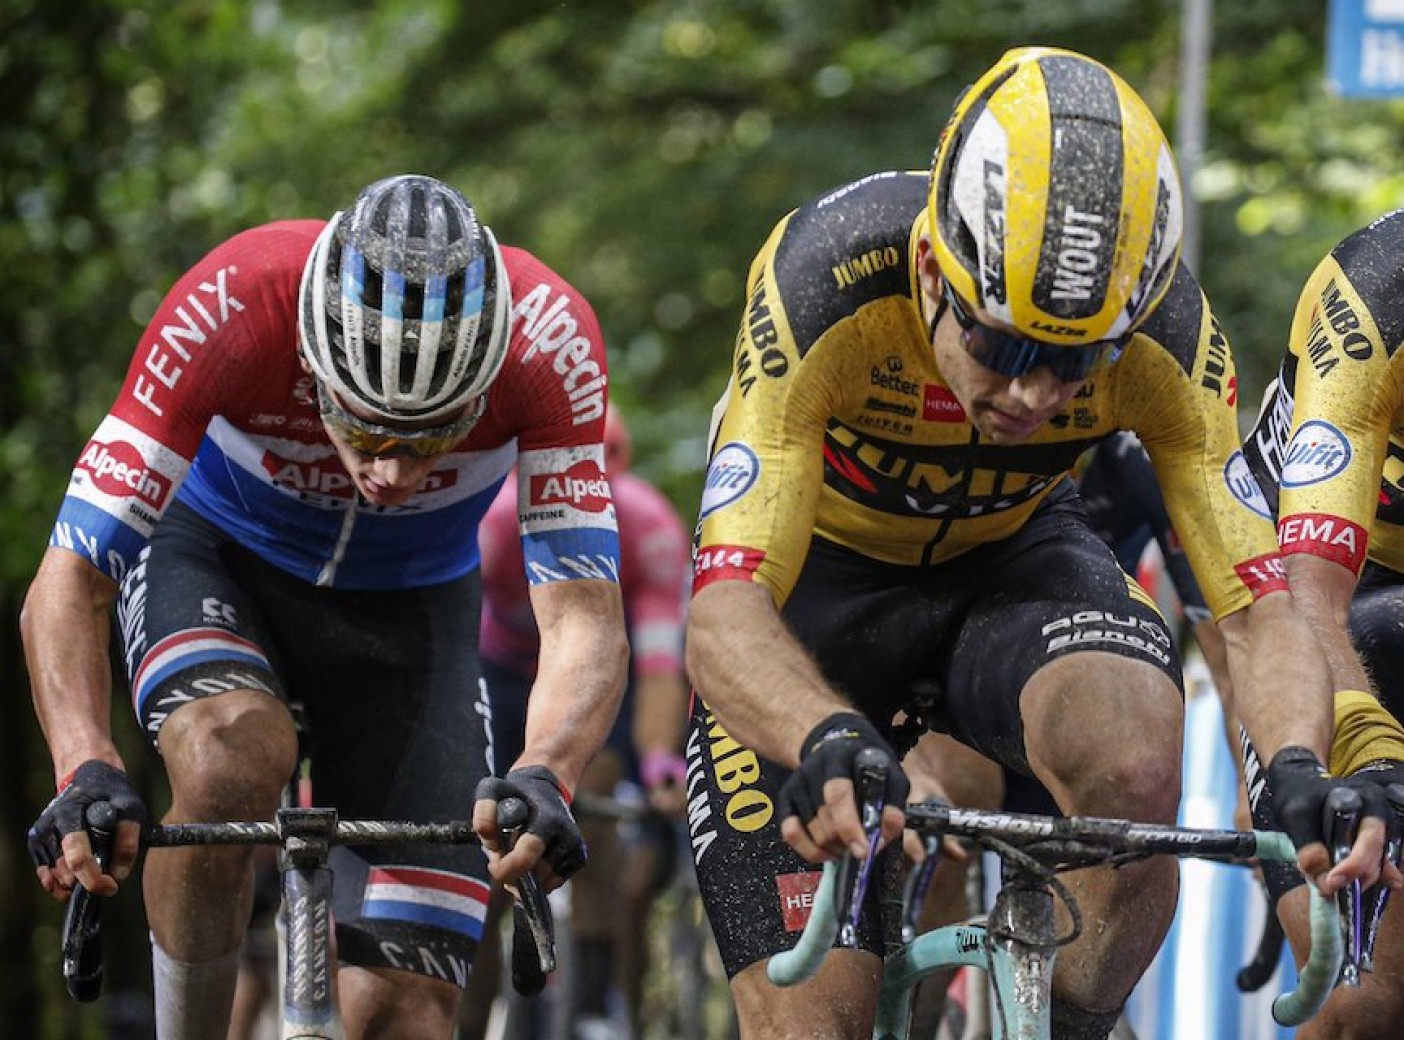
x=966, y=635
x=395, y=710
x=1376, y=619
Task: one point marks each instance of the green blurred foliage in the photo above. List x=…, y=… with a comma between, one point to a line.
x=644, y=148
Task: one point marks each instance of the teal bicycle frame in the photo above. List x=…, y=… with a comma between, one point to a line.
x=1017, y=944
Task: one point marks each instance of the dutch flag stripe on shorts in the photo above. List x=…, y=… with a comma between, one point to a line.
x=193, y=646
x=435, y=897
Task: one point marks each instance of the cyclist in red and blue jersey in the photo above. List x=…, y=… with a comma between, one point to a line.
x=609, y=902
x=284, y=504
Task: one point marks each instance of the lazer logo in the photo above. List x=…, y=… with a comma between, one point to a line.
x=992, y=259
x=583, y=487
x=119, y=470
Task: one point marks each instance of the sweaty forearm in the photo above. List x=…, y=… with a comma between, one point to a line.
x=752, y=671
x=580, y=677
x=1282, y=687
x=1322, y=590
x=65, y=627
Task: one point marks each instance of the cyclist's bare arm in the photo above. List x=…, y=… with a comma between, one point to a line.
x=1323, y=591
x=1283, y=695
x=660, y=714
x=65, y=625
x=769, y=694
x=581, y=671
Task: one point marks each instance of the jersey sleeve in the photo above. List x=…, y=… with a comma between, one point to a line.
x=554, y=379
x=1182, y=394
x=1138, y=478
x=193, y=359
x=1345, y=396
x=765, y=471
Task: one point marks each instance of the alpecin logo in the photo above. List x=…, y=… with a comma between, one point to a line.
x=583, y=486
x=119, y=470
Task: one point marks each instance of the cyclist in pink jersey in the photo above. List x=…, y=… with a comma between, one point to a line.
x=284, y=504
x=610, y=900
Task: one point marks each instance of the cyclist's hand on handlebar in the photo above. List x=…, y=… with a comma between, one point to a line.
x=551, y=845
x=58, y=841
x=1300, y=787
x=818, y=809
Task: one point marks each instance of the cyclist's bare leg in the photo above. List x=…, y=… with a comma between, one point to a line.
x=1374, y=1010
x=1103, y=733
x=839, y=1003
x=228, y=757
x=594, y=911
x=387, y=1004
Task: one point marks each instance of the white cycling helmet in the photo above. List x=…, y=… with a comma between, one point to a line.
x=404, y=302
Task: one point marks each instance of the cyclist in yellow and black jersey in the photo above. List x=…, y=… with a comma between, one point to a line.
x=1328, y=450
x=888, y=532
x=834, y=337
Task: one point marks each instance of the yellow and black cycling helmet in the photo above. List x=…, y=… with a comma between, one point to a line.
x=1054, y=201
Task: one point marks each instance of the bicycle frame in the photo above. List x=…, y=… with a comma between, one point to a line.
x=1017, y=944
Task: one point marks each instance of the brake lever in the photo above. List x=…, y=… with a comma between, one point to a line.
x=1340, y=819
x=82, y=926
x=1377, y=898
x=917, y=885
x=533, y=929
x=869, y=781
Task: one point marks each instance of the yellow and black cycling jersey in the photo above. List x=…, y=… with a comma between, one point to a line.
x=837, y=422
x=1328, y=444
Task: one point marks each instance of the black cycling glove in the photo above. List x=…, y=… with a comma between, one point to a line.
x=548, y=813
x=93, y=781
x=1300, y=786
x=828, y=753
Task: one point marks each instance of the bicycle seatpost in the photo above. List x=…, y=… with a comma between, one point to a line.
x=870, y=768
x=82, y=935
x=533, y=930
x=1341, y=817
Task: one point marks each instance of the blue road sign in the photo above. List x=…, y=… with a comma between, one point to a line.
x=1365, y=48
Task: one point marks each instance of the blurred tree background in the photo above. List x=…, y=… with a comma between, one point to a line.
x=643, y=148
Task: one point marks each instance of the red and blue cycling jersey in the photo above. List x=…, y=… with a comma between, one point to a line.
x=218, y=411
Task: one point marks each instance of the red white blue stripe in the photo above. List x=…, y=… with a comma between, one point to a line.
x=421, y=895
x=190, y=647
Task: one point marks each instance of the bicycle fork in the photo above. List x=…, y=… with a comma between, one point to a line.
x=1023, y=946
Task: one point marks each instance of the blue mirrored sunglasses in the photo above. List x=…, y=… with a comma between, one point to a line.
x=1012, y=355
